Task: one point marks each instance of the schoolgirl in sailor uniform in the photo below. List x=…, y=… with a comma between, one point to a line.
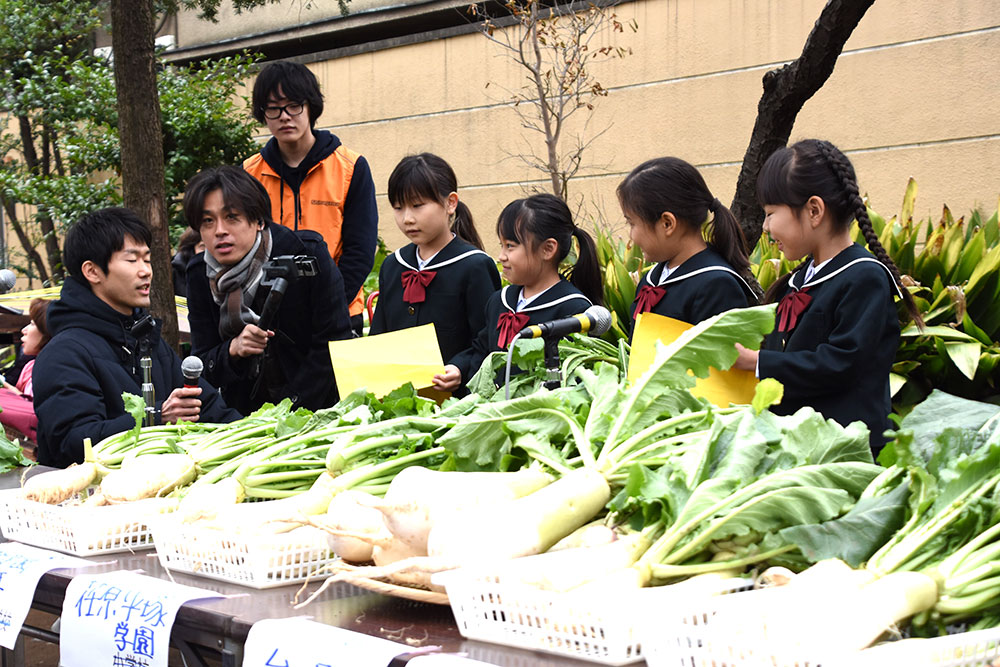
x=837, y=326
x=703, y=286
x=507, y=313
x=667, y=204
x=449, y=290
x=535, y=234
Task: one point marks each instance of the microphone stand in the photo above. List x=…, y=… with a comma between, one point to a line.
x=553, y=369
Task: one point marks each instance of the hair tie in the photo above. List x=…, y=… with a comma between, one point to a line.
x=714, y=205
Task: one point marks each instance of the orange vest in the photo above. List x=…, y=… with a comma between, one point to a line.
x=320, y=205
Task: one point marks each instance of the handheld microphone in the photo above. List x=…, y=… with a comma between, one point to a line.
x=7, y=280
x=191, y=369
x=595, y=320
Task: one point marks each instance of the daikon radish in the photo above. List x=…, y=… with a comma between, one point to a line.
x=348, y=513
x=149, y=476
x=418, y=498
x=522, y=527
x=205, y=501
x=277, y=516
x=569, y=568
x=593, y=534
x=59, y=485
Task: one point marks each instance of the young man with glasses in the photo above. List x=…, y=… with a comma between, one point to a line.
x=314, y=182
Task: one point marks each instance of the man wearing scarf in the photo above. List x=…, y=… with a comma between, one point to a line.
x=252, y=366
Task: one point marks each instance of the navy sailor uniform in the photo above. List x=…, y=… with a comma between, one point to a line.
x=841, y=336
x=703, y=286
x=459, y=280
x=561, y=300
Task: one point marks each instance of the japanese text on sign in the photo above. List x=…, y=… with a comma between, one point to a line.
x=21, y=566
x=121, y=619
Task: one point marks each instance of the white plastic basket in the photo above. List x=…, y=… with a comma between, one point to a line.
x=80, y=530
x=249, y=560
x=601, y=629
x=980, y=648
x=702, y=640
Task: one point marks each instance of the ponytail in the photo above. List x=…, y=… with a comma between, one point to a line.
x=586, y=273
x=726, y=238
x=464, y=227
x=672, y=184
x=532, y=220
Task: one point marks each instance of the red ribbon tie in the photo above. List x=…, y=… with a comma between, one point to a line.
x=509, y=325
x=415, y=285
x=648, y=297
x=790, y=308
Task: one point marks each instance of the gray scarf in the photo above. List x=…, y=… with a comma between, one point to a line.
x=233, y=287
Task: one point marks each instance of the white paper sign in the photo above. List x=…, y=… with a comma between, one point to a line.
x=120, y=619
x=298, y=642
x=21, y=566
x=445, y=660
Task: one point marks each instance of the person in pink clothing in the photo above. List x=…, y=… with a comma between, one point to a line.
x=15, y=399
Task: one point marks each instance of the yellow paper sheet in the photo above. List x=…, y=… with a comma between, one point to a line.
x=720, y=387
x=384, y=362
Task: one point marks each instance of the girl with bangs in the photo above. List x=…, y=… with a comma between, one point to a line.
x=536, y=235
x=667, y=204
x=443, y=276
x=837, y=327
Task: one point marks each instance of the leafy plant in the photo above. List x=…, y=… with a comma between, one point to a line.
x=622, y=265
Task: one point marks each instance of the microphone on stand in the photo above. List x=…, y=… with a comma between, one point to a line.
x=595, y=320
x=7, y=280
x=191, y=369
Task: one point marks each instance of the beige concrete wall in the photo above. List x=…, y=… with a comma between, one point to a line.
x=914, y=94
x=192, y=31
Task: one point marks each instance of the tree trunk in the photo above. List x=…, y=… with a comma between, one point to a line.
x=34, y=257
x=132, y=25
x=39, y=169
x=785, y=91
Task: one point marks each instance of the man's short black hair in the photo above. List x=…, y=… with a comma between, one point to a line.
x=240, y=192
x=296, y=82
x=98, y=235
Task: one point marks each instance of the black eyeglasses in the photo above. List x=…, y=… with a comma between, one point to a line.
x=274, y=113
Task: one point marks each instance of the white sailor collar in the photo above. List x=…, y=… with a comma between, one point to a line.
x=436, y=262
x=648, y=278
x=818, y=279
x=507, y=291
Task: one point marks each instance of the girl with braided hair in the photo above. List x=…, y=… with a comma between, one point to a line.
x=666, y=204
x=837, y=329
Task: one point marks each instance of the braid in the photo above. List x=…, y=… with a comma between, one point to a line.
x=853, y=203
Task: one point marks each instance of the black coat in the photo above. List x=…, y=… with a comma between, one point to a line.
x=838, y=356
x=703, y=286
x=465, y=278
x=560, y=300
x=81, y=373
x=312, y=312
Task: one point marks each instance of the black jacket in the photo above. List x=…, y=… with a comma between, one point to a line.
x=838, y=356
x=312, y=312
x=81, y=373
x=561, y=300
x=465, y=278
x=703, y=286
